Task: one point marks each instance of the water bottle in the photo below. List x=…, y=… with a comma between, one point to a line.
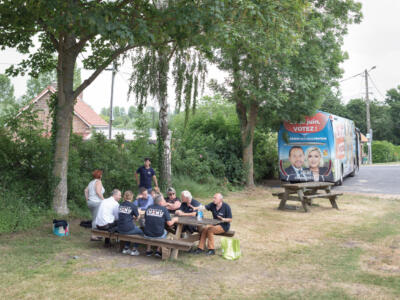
x=200, y=213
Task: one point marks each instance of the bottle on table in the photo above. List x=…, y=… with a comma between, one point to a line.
x=200, y=213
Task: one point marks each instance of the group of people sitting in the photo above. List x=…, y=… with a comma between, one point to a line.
x=153, y=213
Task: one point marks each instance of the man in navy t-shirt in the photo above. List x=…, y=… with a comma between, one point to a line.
x=126, y=223
x=188, y=208
x=220, y=211
x=156, y=217
x=147, y=174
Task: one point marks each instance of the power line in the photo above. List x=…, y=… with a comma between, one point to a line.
x=348, y=78
x=373, y=82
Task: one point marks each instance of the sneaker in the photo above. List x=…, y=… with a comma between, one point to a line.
x=198, y=251
x=192, y=250
x=126, y=251
x=211, y=252
x=149, y=253
x=158, y=254
x=135, y=252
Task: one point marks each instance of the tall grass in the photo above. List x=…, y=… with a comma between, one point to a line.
x=198, y=190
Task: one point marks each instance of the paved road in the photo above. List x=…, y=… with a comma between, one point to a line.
x=375, y=179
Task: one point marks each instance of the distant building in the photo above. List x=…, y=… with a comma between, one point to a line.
x=85, y=119
x=129, y=134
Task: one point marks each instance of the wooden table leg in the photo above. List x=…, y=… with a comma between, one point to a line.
x=174, y=252
x=303, y=201
x=333, y=202
x=283, y=200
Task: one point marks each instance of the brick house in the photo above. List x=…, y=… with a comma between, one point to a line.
x=84, y=121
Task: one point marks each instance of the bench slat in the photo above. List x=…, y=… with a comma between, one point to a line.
x=177, y=244
x=229, y=233
x=328, y=195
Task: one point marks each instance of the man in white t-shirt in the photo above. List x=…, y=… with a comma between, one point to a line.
x=108, y=211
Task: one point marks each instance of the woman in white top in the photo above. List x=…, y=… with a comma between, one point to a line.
x=94, y=195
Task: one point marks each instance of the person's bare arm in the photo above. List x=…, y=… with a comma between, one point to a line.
x=227, y=220
x=181, y=213
x=87, y=193
x=174, y=206
x=172, y=222
x=137, y=179
x=194, y=207
x=155, y=180
x=98, y=188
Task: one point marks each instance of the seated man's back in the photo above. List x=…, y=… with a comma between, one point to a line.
x=155, y=218
x=108, y=210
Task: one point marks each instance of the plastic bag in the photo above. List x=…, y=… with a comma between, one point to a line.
x=230, y=248
x=60, y=227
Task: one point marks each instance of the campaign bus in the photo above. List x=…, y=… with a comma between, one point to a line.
x=324, y=147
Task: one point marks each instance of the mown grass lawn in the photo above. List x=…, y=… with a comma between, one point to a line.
x=353, y=253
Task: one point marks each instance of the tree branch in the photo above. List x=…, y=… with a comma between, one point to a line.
x=51, y=36
x=78, y=46
x=172, y=52
x=96, y=73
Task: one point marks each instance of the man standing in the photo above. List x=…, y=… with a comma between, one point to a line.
x=156, y=217
x=147, y=174
x=188, y=208
x=220, y=211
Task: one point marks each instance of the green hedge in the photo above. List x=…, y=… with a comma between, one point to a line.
x=383, y=151
x=206, y=157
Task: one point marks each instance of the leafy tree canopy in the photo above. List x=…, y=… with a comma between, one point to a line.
x=7, y=97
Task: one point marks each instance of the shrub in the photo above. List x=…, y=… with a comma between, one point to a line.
x=383, y=151
x=25, y=161
x=265, y=155
x=208, y=149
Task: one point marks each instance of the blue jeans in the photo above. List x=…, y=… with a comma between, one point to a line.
x=158, y=237
x=133, y=231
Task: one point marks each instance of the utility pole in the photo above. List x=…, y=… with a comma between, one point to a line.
x=114, y=70
x=369, y=130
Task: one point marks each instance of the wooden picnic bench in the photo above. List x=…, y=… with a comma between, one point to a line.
x=165, y=244
x=170, y=247
x=305, y=192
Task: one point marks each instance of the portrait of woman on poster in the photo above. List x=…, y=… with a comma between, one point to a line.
x=315, y=165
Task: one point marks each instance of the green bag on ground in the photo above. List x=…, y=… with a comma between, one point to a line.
x=230, y=248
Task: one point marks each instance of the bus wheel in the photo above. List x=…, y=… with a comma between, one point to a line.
x=355, y=171
x=340, y=181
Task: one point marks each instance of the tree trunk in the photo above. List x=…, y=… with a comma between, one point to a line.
x=247, y=127
x=247, y=120
x=63, y=123
x=165, y=134
x=165, y=164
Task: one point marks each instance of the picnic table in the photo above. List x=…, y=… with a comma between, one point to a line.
x=305, y=192
x=193, y=221
x=170, y=248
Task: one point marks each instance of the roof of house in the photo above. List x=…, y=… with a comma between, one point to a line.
x=87, y=114
x=82, y=110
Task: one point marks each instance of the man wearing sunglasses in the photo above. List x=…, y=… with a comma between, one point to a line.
x=173, y=202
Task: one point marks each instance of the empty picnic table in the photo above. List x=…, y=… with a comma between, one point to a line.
x=305, y=192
